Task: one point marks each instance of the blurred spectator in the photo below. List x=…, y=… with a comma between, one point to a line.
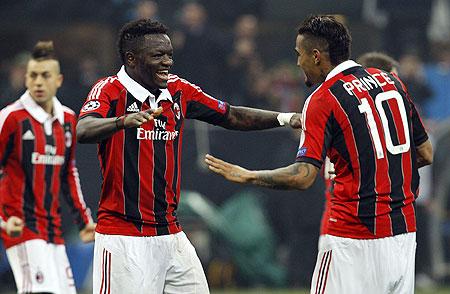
x=406, y=20
x=439, y=26
x=412, y=74
x=199, y=51
x=89, y=71
x=13, y=85
x=142, y=9
x=146, y=9
x=287, y=89
x=438, y=77
x=244, y=63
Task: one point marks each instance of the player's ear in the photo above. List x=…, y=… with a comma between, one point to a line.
x=130, y=59
x=316, y=56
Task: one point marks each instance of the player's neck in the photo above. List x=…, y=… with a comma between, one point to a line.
x=47, y=106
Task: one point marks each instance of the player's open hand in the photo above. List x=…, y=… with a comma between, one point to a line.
x=87, y=234
x=14, y=226
x=296, y=121
x=139, y=118
x=229, y=171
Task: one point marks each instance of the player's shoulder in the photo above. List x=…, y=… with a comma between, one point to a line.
x=109, y=85
x=14, y=111
x=178, y=83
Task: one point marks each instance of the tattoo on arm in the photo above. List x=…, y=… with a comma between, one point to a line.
x=296, y=176
x=246, y=119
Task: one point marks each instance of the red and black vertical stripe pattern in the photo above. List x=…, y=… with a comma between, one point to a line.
x=29, y=201
x=131, y=178
x=48, y=197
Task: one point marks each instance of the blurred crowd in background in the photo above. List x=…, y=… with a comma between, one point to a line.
x=243, y=52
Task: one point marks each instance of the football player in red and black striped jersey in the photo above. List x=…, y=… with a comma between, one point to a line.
x=137, y=119
x=37, y=163
x=366, y=123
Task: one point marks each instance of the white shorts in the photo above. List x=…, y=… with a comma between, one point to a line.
x=150, y=265
x=354, y=266
x=39, y=266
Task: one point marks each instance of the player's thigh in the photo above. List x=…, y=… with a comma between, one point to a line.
x=403, y=263
x=64, y=270
x=340, y=267
x=186, y=273
x=119, y=266
x=34, y=267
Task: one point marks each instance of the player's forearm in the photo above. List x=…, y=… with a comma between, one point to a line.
x=92, y=130
x=296, y=176
x=247, y=119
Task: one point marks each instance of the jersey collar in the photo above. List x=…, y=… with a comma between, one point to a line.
x=38, y=113
x=139, y=92
x=341, y=67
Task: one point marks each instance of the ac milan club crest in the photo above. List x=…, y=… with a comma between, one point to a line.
x=177, y=110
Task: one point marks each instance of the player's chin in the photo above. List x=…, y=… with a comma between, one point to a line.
x=162, y=84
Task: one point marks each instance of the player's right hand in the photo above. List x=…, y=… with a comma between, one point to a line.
x=14, y=226
x=138, y=118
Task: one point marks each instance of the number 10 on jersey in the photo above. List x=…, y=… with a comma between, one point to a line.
x=365, y=108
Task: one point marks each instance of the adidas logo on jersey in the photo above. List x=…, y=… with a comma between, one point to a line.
x=28, y=135
x=133, y=108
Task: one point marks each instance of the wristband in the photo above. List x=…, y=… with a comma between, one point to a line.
x=120, y=122
x=285, y=117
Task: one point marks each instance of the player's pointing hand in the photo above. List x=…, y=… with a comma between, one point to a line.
x=138, y=118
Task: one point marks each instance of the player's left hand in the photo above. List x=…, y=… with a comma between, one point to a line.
x=87, y=234
x=229, y=171
x=296, y=121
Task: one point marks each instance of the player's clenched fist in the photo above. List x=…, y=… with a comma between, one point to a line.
x=138, y=118
x=13, y=226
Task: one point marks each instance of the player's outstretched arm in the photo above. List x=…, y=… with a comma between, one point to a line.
x=13, y=226
x=247, y=119
x=424, y=154
x=300, y=175
x=92, y=129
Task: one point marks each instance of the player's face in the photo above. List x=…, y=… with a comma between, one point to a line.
x=154, y=61
x=43, y=79
x=306, y=61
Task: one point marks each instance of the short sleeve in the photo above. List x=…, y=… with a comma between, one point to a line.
x=202, y=106
x=98, y=101
x=315, y=139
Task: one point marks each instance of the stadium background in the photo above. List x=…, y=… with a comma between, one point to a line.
x=242, y=52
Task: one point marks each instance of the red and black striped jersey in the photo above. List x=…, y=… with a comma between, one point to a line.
x=141, y=166
x=37, y=154
x=366, y=123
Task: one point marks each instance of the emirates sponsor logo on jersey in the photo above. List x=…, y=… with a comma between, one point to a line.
x=49, y=158
x=37, y=158
x=158, y=133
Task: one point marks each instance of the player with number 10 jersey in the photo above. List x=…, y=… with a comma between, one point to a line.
x=369, y=125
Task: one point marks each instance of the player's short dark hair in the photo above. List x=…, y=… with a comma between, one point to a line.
x=44, y=50
x=325, y=30
x=378, y=60
x=133, y=32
